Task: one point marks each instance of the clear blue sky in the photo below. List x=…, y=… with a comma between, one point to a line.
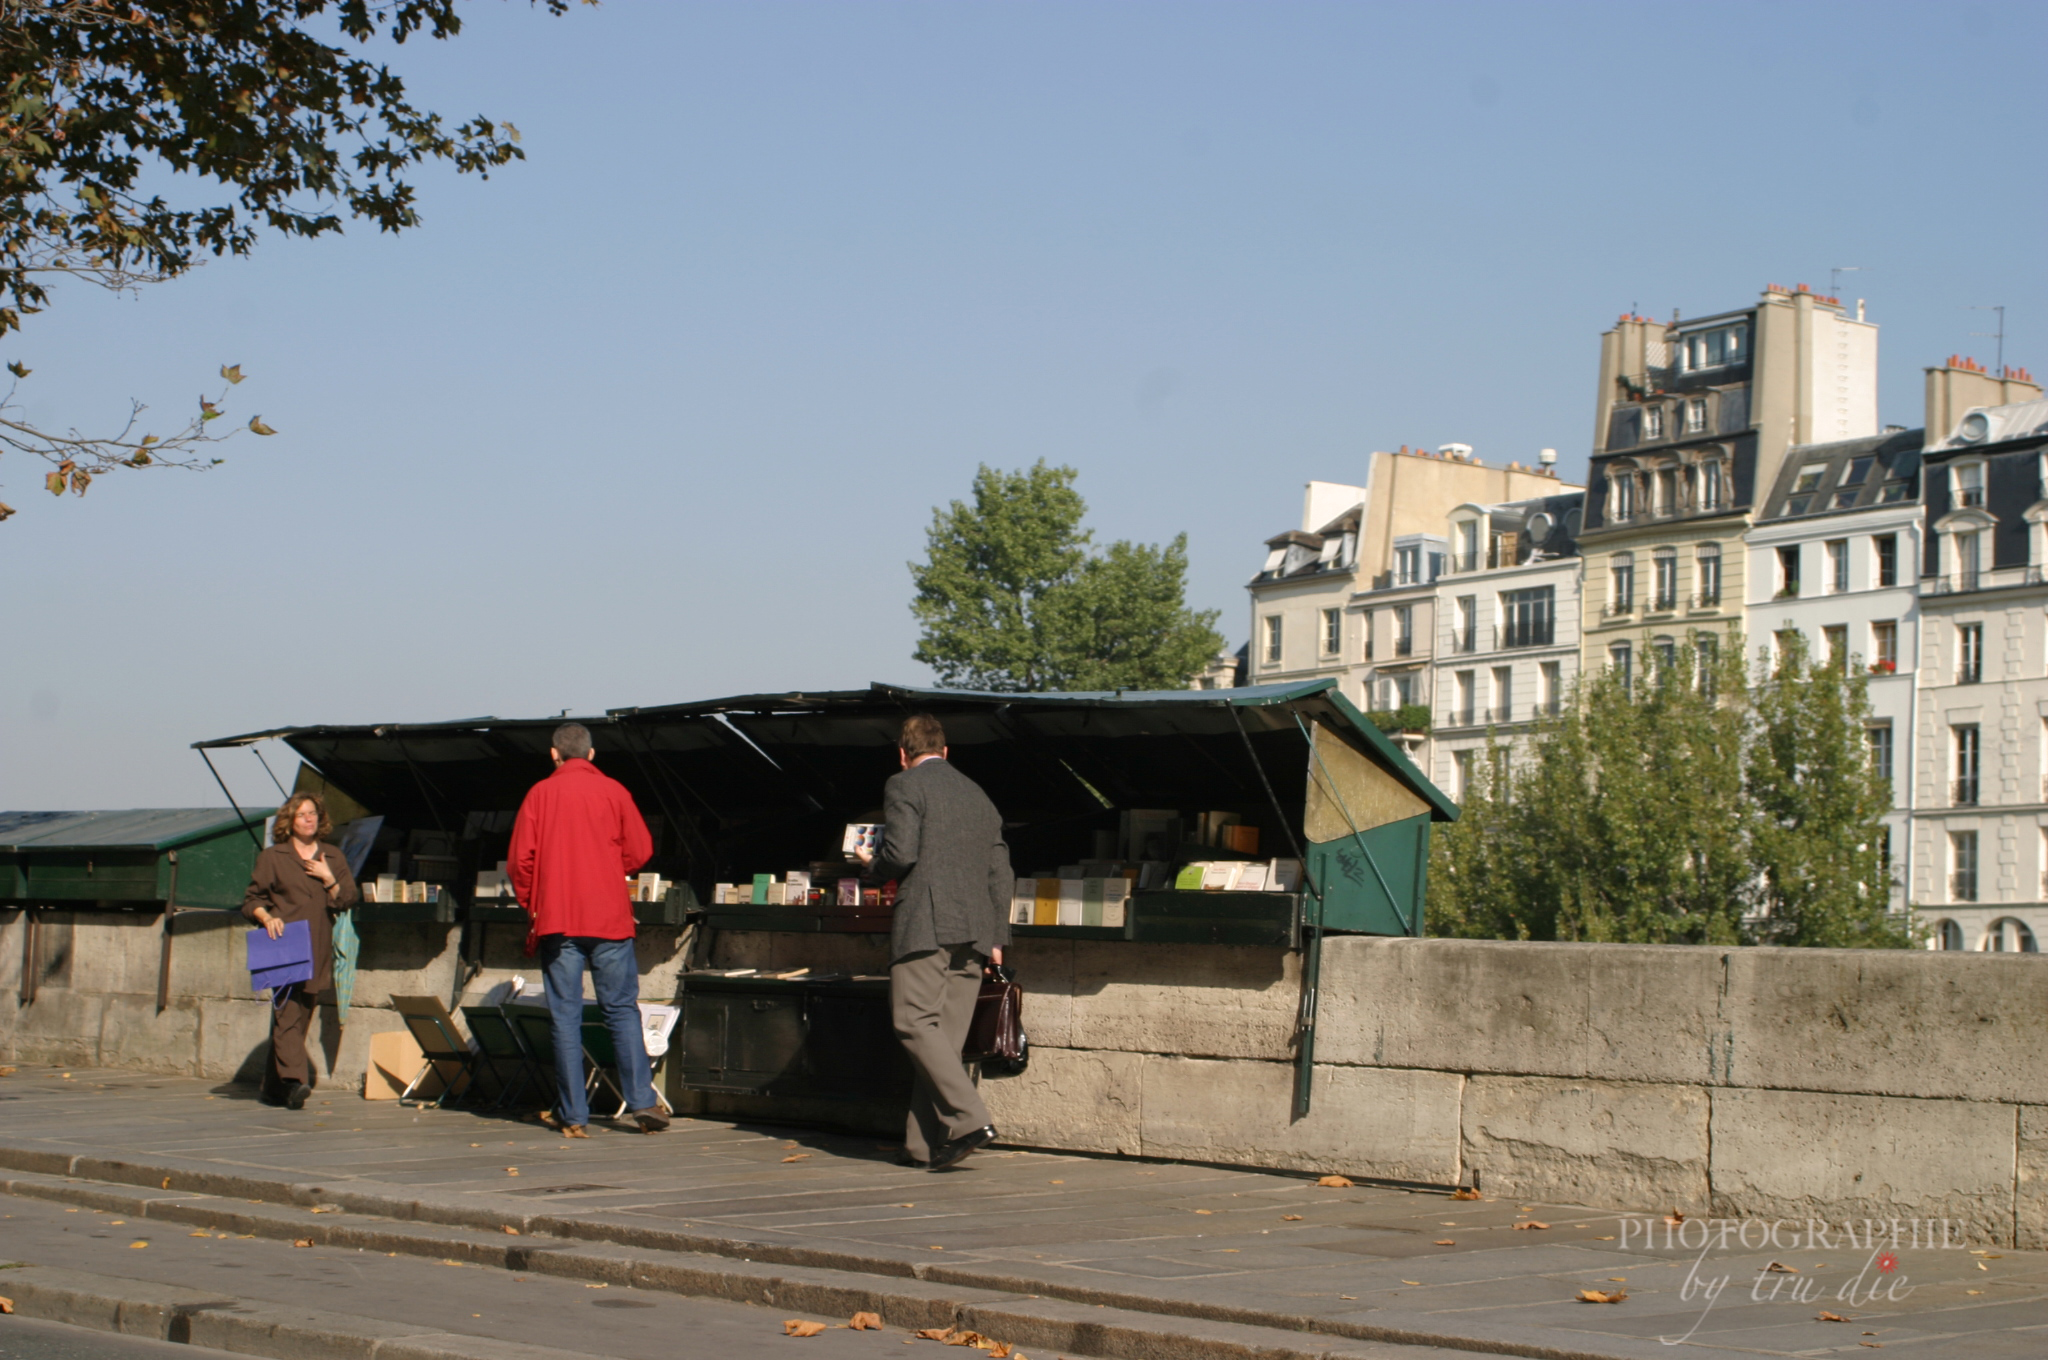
x=663, y=412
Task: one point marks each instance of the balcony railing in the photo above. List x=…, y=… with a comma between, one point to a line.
x=1465, y=642
x=1530, y=636
x=1664, y=603
x=1707, y=599
x=1963, y=792
x=1404, y=646
x=1471, y=561
x=1962, y=887
x=1618, y=609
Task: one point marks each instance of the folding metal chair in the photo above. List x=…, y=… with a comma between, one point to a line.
x=536, y=1027
x=441, y=1047
x=499, y=1044
x=603, y=1056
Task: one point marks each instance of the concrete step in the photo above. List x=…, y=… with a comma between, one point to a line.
x=1025, y=1319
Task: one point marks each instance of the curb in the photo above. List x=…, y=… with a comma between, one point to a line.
x=1112, y=1324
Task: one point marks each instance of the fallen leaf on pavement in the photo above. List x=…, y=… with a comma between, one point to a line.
x=1532, y=1223
x=933, y=1333
x=1446, y=1242
x=1831, y=1317
x=1055, y=1182
x=6, y=1071
x=866, y=1322
x=1352, y=1297
x=201, y=1233
x=511, y=1170
x=1675, y=1217
x=974, y=1339
x=511, y=1231
x=7, y=1305
x=167, y=1183
x=323, y=1209
x=1973, y=1291
x=302, y=1241
x=1414, y=1282
x=1463, y=1193
x=1290, y=1218
x=1205, y=1211
x=137, y=1246
x=798, y=1327
x=1603, y=1239
x=1874, y=1345
x=796, y=1157
x=597, y=1286
x=1982, y=1266
x=1333, y=1182
x=1602, y=1295
x=906, y=1206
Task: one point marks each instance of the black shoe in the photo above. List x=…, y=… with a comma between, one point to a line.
x=653, y=1119
x=907, y=1160
x=270, y=1097
x=951, y=1153
x=295, y=1099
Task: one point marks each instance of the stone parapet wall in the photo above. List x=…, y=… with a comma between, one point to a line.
x=1770, y=1083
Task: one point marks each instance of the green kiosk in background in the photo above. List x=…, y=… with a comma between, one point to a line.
x=169, y=860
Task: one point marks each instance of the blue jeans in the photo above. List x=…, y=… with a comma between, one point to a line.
x=617, y=974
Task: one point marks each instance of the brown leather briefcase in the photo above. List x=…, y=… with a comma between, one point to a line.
x=996, y=1038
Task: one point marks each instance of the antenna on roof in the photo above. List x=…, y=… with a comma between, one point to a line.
x=1835, y=276
x=1998, y=334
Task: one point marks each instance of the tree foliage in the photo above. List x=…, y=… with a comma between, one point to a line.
x=279, y=129
x=1692, y=804
x=1013, y=595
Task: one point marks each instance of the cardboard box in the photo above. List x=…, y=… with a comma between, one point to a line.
x=395, y=1059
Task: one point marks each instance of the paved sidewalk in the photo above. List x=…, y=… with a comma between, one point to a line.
x=1172, y=1240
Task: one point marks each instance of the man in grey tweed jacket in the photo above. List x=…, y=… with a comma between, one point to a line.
x=943, y=840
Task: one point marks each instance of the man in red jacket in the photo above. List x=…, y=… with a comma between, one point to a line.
x=577, y=837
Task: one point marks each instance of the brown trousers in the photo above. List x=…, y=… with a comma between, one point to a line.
x=290, y=1021
x=931, y=1001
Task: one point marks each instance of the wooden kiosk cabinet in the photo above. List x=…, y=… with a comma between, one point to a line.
x=826, y=1037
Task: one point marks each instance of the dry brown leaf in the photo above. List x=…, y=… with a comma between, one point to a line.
x=1414, y=1282
x=511, y=1170
x=302, y=1241
x=1464, y=1193
x=933, y=1333
x=1982, y=1266
x=796, y=1157
x=7, y=1305
x=1205, y=1211
x=1445, y=1242
x=798, y=1327
x=1333, y=1182
x=1603, y=1239
x=1290, y=1218
x=1973, y=1291
x=1602, y=1295
x=323, y=1209
x=1532, y=1223
x=167, y=1183
x=6, y=1071
x=1832, y=1317
x=1992, y=1255
x=1780, y=1268
x=866, y=1322
x=1676, y=1216
x=1874, y=1345
x=971, y=1338
x=511, y=1231
x=1055, y=1182
x=137, y=1246
x=199, y=1233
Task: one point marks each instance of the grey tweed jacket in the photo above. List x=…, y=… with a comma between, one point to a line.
x=944, y=844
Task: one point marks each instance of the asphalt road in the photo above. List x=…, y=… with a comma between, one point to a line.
x=475, y=1300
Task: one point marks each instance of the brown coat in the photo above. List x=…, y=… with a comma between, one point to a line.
x=281, y=884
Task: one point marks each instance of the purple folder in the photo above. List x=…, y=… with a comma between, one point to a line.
x=284, y=960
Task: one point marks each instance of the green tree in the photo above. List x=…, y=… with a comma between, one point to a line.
x=1820, y=806
x=1013, y=595
x=279, y=129
x=1684, y=805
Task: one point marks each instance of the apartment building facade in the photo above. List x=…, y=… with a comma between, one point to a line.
x=1507, y=613
x=1692, y=422
x=1383, y=532
x=1834, y=557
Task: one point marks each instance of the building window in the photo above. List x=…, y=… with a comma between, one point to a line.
x=1664, y=566
x=1969, y=484
x=1529, y=617
x=1622, y=598
x=1969, y=559
x=1710, y=575
x=1710, y=484
x=1835, y=638
x=1887, y=546
x=1404, y=630
x=1968, y=753
x=1884, y=647
x=1621, y=657
x=1272, y=639
x=1969, y=653
x=1408, y=565
x=1713, y=349
x=1948, y=935
x=1666, y=649
x=2010, y=936
x=1962, y=866
x=1549, y=688
x=1333, y=632
x=1369, y=616
x=1464, y=705
x=1667, y=491
x=1708, y=648
x=1465, y=556
x=1461, y=774
x=1788, y=572
x=1467, y=624
x=1879, y=737
x=1503, y=695
x=1696, y=416
x=1653, y=423
x=1621, y=493
x=1838, y=565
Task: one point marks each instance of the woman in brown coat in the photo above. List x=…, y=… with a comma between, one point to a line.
x=300, y=877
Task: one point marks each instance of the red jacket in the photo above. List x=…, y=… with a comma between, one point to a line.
x=577, y=837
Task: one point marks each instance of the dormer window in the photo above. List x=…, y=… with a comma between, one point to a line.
x=1969, y=484
x=1714, y=349
x=1711, y=493
x=1696, y=416
x=1667, y=491
x=1621, y=493
x=1408, y=565
x=1653, y=423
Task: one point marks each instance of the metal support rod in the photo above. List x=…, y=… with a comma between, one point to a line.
x=31, y=954
x=163, y=966
x=1312, y=942
x=246, y=826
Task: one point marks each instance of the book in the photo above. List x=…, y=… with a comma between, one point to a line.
x=861, y=836
x=721, y=894
x=1069, y=902
x=1218, y=876
x=761, y=882
x=849, y=892
x=1250, y=878
x=1243, y=839
x=1023, y=898
x=1091, y=901
x=1148, y=833
x=1284, y=875
x=796, y=887
x=1189, y=879
x=1116, y=896
x=1045, y=907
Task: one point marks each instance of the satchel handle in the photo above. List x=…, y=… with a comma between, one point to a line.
x=1001, y=971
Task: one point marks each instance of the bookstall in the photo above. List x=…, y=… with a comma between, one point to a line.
x=1267, y=815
